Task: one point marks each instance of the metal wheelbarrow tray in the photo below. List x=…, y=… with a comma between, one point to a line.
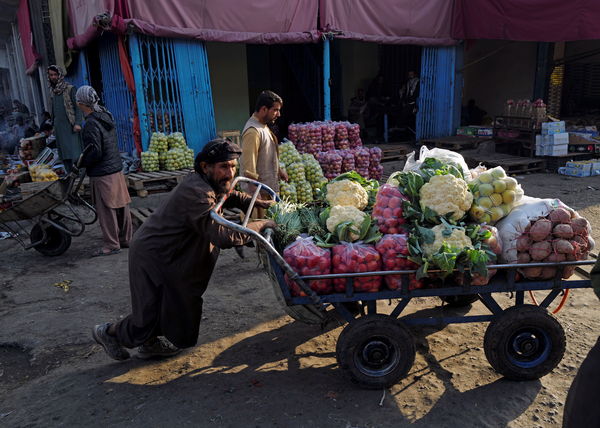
x=49, y=218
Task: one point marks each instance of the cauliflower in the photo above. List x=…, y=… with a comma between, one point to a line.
x=347, y=193
x=458, y=239
x=340, y=214
x=446, y=194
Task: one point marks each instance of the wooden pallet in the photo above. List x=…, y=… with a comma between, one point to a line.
x=456, y=143
x=511, y=164
x=140, y=215
x=394, y=151
x=145, y=182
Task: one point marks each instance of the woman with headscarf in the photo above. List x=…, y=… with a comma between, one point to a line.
x=102, y=161
x=66, y=117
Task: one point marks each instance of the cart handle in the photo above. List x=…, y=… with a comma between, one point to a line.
x=242, y=228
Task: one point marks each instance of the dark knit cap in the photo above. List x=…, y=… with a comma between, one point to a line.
x=218, y=150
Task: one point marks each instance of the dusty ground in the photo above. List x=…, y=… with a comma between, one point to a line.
x=254, y=366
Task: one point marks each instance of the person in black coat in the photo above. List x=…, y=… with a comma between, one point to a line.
x=102, y=161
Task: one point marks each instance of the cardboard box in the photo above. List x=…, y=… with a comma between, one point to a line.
x=549, y=128
x=559, y=150
x=584, y=166
x=484, y=131
x=466, y=130
x=595, y=166
x=573, y=172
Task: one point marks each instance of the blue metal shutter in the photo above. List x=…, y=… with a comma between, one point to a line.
x=440, y=92
x=196, y=93
x=115, y=95
x=173, y=88
x=79, y=75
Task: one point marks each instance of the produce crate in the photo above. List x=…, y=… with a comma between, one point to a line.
x=144, y=183
x=510, y=164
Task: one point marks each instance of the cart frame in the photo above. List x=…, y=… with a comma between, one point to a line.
x=534, y=349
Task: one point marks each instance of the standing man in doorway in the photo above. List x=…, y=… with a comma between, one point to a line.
x=409, y=94
x=260, y=158
x=66, y=117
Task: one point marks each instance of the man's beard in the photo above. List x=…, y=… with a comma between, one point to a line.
x=223, y=187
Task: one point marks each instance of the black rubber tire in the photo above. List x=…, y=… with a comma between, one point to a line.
x=56, y=242
x=525, y=342
x=375, y=351
x=460, y=300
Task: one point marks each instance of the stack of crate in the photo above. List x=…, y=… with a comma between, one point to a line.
x=553, y=141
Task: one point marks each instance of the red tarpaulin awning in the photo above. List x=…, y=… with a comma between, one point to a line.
x=527, y=20
x=246, y=21
x=29, y=52
x=423, y=22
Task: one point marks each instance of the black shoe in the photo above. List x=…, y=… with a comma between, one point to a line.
x=109, y=343
x=157, y=347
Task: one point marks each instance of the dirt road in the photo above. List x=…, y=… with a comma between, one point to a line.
x=254, y=366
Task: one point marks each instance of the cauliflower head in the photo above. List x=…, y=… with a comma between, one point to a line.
x=340, y=214
x=458, y=239
x=347, y=193
x=446, y=194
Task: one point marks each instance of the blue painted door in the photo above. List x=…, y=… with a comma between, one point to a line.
x=440, y=92
x=115, y=95
x=173, y=88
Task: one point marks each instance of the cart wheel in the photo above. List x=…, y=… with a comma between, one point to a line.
x=461, y=300
x=376, y=351
x=525, y=342
x=56, y=242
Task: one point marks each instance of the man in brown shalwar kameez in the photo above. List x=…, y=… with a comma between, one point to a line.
x=260, y=157
x=172, y=257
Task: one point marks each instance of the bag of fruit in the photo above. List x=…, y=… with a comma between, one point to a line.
x=348, y=163
x=306, y=258
x=394, y=255
x=354, y=258
x=495, y=245
x=388, y=209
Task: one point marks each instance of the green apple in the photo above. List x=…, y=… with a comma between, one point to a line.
x=497, y=173
x=477, y=212
x=485, y=202
x=496, y=214
x=485, y=177
x=496, y=199
x=486, y=189
x=499, y=186
x=508, y=196
x=486, y=218
x=506, y=208
x=511, y=183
